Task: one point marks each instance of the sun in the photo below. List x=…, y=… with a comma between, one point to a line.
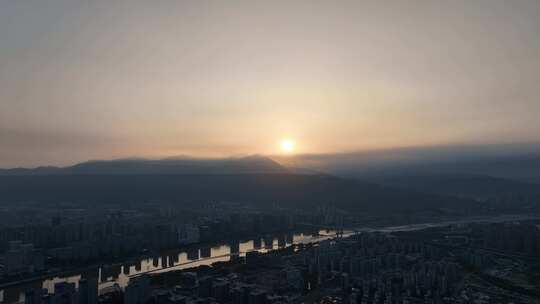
x=287, y=145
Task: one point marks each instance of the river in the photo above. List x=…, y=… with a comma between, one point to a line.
x=119, y=274
x=110, y=276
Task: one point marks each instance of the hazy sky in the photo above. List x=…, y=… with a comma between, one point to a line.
x=106, y=79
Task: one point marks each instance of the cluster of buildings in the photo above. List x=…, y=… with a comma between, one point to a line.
x=515, y=237
x=81, y=238
x=377, y=268
x=365, y=268
x=21, y=258
x=65, y=293
x=68, y=241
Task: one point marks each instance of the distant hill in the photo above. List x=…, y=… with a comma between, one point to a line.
x=505, y=174
x=303, y=191
x=243, y=165
x=516, y=162
x=469, y=186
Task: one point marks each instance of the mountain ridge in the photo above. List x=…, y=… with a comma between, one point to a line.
x=233, y=165
x=295, y=190
x=470, y=186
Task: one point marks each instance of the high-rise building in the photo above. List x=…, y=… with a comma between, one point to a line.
x=257, y=297
x=88, y=291
x=137, y=291
x=34, y=296
x=64, y=293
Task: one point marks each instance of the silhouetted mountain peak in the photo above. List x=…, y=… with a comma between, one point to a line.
x=240, y=165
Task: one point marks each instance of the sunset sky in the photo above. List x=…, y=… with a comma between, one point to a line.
x=108, y=79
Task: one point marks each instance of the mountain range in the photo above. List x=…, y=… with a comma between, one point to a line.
x=516, y=162
x=403, y=179
x=254, y=179
x=494, y=172
x=175, y=165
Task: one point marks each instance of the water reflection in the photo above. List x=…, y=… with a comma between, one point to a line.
x=110, y=276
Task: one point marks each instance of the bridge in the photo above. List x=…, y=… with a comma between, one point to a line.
x=337, y=228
